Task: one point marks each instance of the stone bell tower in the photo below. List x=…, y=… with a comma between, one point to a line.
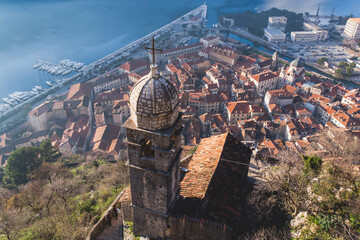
x=153, y=138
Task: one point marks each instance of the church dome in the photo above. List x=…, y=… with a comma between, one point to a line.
x=154, y=102
x=296, y=63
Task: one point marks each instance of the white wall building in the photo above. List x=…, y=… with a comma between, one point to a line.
x=309, y=36
x=352, y=29
x=291, y=74
x=340, y=28
x=274, y=35
x=277, y=22
x=265, y=81
x=108, y=82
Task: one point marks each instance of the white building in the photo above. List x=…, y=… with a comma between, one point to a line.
x=237, y=111
x=274, y=35
x=277, y=22
x=340, y=28
x=311, y=27
x=265, y=81
x=342, y=120
x=210, y=40
x=109, y=81
x=291, y=74
x=308, y=36
x=352, y=29
x=39, y=116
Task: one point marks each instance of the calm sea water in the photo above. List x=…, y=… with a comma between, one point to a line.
x=85, y=30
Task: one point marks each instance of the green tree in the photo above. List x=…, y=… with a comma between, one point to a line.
x=343, y=64
x=256, y=22
x=349, y=71
x=48, y=153
x=20, y=165
x=311, y=164
x=322, y=60
x=339, y=73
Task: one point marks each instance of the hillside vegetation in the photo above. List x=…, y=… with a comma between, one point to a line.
x=43, y=198
x=256, y=22
x=314, y=195
x=311, y=196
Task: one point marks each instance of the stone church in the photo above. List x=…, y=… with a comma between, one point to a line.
x=292, y=74
x=197, y=198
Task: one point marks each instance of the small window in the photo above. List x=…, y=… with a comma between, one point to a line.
x=146, y=149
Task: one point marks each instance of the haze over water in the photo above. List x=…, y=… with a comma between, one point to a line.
x=85, y=30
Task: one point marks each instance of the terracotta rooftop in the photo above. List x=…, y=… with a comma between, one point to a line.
x=79, y=90
x=43, y=108
x=264, y=76
x=204, y=163
x=281, y=93
x=215, y=180
x=135, y=76
x=132, y=65
x=202, y=167
x=109, y=77
x=180, y=48
x=356, y=20
x=271, y=146
x=114, y=146
x=171, y=68
x=346, y=120
x=303, y=143
x=320, y=98
x=111, y=95
x=106, y=133
x=238, y=107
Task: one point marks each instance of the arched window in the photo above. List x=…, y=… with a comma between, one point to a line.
x=145, y=150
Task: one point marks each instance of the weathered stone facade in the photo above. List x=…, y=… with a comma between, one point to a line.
x=154, y=146
x=154, y=175
x=154, y=102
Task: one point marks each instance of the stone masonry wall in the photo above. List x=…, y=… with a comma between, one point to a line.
x=183, y=227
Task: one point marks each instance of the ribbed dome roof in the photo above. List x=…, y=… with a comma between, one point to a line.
x=296, y=63
x=153, y=97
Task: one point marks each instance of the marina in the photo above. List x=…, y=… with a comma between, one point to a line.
x=50, y=73
x=54, y=76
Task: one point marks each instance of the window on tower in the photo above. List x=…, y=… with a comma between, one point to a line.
x=146, y=150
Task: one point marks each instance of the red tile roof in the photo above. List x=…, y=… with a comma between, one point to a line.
x=180, y=48
x=264, y=76
x=238, y=107
x=43, y=108
x=79, y=90
x=202, y=167
x=215, y=180
x=132, y=65
x=104, y=136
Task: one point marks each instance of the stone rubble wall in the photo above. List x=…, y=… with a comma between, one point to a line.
x=106, y=220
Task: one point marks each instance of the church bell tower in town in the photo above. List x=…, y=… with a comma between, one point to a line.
x=154, y=147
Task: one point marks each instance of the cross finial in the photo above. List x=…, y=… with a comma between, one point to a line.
x=153, y=49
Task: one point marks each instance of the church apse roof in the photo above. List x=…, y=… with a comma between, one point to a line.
x=214, y=184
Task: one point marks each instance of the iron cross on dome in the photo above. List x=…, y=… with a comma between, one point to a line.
x=153, y=49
